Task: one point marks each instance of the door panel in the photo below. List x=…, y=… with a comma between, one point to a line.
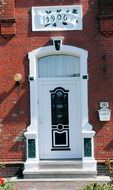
x=59, y=120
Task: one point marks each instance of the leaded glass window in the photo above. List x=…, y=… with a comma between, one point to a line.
x=59, y=119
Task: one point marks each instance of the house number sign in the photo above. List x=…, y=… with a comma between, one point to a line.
x=55, y=18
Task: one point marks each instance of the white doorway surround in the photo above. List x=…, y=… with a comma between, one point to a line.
x=59, y=132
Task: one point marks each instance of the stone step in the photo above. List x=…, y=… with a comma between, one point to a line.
x=58, y=169
x=60, y=164
x=59, y=173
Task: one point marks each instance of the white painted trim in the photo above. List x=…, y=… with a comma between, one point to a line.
x=49, y=50
x=86, y=128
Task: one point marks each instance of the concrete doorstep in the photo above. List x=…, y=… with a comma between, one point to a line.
x=57, y=184
x=105, y=179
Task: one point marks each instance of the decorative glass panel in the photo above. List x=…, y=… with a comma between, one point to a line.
x=31, y=148
x=60, y=118
x=58, y=66
x=87, y=147
x=59, y=102
x=60, y=138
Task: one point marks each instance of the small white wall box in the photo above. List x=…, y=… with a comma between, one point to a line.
x=104, y=104
x=104, y=112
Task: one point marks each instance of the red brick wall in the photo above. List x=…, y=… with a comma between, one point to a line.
x=14, y=46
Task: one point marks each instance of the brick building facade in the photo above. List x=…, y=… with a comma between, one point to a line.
x=20, y=48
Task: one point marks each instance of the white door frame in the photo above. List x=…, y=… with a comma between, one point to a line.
x=86, y=128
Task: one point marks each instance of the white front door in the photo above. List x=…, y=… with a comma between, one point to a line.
x=59, y=119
